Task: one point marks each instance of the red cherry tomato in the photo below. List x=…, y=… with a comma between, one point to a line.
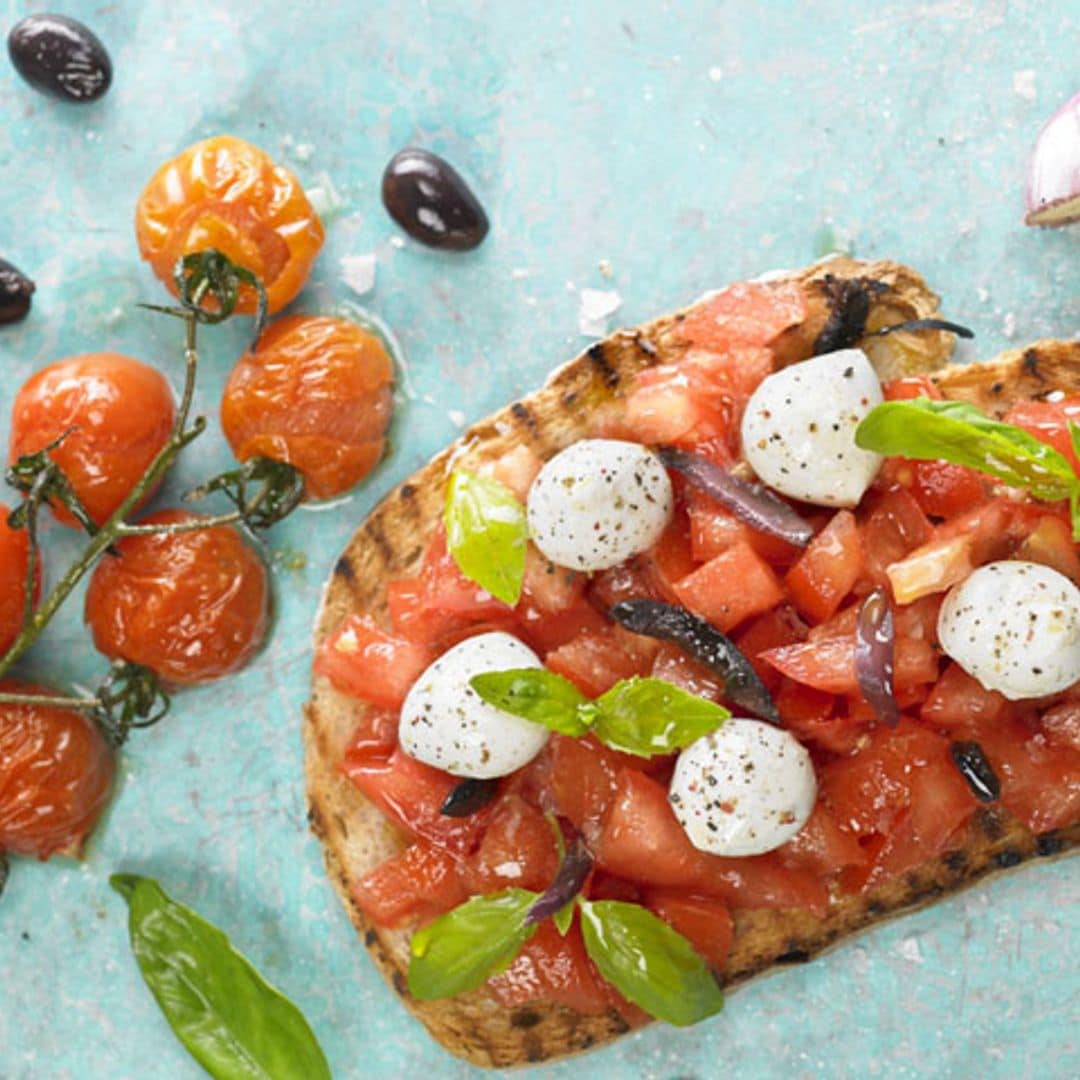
x=14, y=556
x=56, y=770
x=226, y=194
x=117, y=413
x=316, y=393
x=192, y=606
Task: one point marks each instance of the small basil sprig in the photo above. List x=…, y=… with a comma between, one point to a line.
x=228, y=1017
x=486, y=534
x=648, y=962
x=462, y=949
x=959, y=433
x=639, y=716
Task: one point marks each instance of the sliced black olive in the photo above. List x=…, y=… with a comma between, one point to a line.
x=468, y=797
x=15, y=292
x=702, y=641
x=976, y=770
x=60, y=57
x=427, y=197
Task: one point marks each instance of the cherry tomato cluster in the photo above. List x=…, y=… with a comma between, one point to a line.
x=192, y=603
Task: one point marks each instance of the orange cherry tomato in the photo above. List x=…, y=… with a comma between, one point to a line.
x=56, y=770
x=316, y=393
x=14, y=557
x=226, y=194
x=117, y=413
x=191, y=606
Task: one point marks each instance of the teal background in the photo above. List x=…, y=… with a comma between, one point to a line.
x=689, y=144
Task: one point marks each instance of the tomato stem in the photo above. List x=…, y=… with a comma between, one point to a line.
x=50, y=701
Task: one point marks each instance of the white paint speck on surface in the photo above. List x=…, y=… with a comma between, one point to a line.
x=397, y=242
x=982, y=295
x=1008, y=325
x=1023, y=82
x=596, y=308
x=519, y=273
x=358, y=272
x=456, y=417
x=909, y=950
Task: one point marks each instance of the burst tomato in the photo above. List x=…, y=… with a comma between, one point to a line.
x=14, y=561
x=315, y=392
x=115, y=414
x=192, y=606
x=226, y=194
x=56, y=770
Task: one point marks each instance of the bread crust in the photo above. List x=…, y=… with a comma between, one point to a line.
x=356, y=836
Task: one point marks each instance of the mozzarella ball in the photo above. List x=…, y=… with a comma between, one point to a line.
x=446, y=724
x=743, y=790
x=599, y=502
x=1014, y=626
x=798, y=430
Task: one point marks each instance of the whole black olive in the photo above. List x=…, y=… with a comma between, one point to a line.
x=60, y=57
x=425, y=195
x=15, y=292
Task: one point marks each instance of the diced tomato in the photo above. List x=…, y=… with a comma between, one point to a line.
x=517, y=469
x=749, y=313
x=827, y=571
x=1051, y=544
x=714, y=528
x=595, y=660
x=705, y=923
x=411, y=794
x=907, y=387
x=781, y=626
x=1048, y=421
x=821, y=846
x=374, y=737
x=895, y=526
x=1061, y=724
x=731, y=588
x=630, y=580
x=944, y=490
x=517, y=850
x=364, y=661
x=829, y=664
x=439, y=601
x=641, y=840
x=672, y=559
x=812, y=717
x=415, y=886
x=958, y=700
x=674, y=666
x=553, y=608
x=551, y=967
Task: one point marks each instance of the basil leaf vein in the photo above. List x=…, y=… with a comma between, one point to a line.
x=486, y=534
x=648, y=962
x=535, y=694
x=233, y=1022
x=460, y=950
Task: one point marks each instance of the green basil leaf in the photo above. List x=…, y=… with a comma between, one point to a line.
x=486, y=534
x=956, y=432
x=650, y=716
x=460, y=950
x=234, y=1023
x=564, y=917
x=648, y=962
x=537, y=695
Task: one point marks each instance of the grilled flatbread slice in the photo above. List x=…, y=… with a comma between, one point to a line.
x=844, y=300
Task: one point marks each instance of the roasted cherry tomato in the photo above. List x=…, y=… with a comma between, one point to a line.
x=316, y=393
x=56, y=769
x=226, y=194
x=115, y=414
x=192, y=606
x=14, y=556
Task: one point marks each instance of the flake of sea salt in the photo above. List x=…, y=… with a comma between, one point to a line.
x=596, y=307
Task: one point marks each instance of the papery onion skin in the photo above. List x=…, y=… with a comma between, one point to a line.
x=1052, y=195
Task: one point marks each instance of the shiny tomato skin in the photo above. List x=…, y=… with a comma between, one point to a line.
x=118, y=413
x=595, y=660
x=517, y=850
x=895, y=525
x=944, y=490
x=705, y=923
x=746, y=314
x=14, y=562
x=315, y=392
x=1048, y=421
x=1050, y=543
x=828, y=569
x=374, y=738
x=192, y=606
x=363, y=660
x=957, y=700
x=821, y=846
x=226, y=194
x=414, y=886
x=714, y=528
x=56, y=772
x=780, y=626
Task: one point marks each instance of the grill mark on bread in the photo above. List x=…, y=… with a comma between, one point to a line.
x=598, y=357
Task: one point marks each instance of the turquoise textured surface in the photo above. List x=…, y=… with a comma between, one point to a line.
x=688, y=144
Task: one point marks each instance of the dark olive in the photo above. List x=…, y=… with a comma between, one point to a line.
x=60, y=57
x=15, y=292
x=430, y=201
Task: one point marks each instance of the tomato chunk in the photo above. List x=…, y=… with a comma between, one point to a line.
x=730, y=588
x=415, y=886
x=595, y=660
x=366, y=662
x=705, y=923
x=829, y=664
x=1050, y=543
x=828, y=569
x=958, y=700
x=895, y=526
x=674, y=666
x=821, y=846
x=1048, y=421
x=517, y=850
x=748, y=313
x=714, y=528
x=781, y=626
x=374, y=737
